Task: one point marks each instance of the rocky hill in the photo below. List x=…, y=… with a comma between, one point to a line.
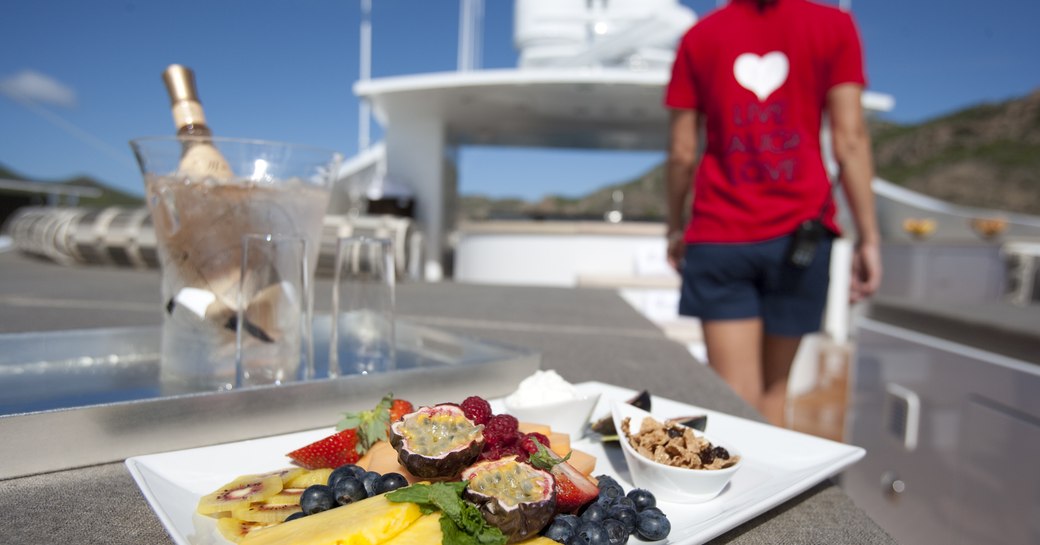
x=986, y=155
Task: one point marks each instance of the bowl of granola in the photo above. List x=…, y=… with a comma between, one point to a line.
x=679, y=464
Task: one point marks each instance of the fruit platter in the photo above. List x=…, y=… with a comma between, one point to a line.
x=483, y=477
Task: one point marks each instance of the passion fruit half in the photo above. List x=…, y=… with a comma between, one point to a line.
x=436, y=442
x=517, y=498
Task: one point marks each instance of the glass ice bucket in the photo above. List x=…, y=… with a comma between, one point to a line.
x=200, y=218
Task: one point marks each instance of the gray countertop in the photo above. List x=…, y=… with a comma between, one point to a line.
x=584, y=334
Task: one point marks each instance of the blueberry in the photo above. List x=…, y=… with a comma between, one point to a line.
x=617, y=533
x=625, y=515
x=590, y=533
x=294, y=516
x=624, y=501
x=371, y=480
x=349, y=490
x=609, y=492
x=570, y=520
x=652, y=512
x=349, y=470
x=391, y=481
x=642, y=498
x=559, y=531
x=652, y=527
x=594, y=513
x=317, y=498
x=720, y=452
x=604, y=480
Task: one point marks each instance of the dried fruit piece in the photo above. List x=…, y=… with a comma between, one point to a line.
x=437, y=441
x=605, y=425
x=240, y=493
x=514, y=497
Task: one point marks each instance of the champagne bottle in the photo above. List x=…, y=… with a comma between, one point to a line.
x=200, y=159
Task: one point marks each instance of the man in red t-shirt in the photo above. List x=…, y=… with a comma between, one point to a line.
x=757, y=76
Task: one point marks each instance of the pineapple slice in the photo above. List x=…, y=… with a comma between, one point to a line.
x=427, y=531
x=367, y=522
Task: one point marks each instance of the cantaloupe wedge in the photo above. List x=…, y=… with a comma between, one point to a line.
x=560, y=443
x=582, y=461
x=531, y=427
x=368, y=522
x=382, y=458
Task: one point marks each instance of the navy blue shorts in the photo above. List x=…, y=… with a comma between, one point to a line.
x=738, y=281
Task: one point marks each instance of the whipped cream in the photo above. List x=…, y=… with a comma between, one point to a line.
x=543, y=388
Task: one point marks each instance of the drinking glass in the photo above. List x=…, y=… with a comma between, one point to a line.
x=199, y=219
x=273, y=341
x=362, y=337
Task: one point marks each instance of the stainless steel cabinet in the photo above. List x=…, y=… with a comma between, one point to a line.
x=952, y=433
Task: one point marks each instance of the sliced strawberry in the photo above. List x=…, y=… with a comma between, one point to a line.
x=333, y=451
x=573, y=488
x=399, y=408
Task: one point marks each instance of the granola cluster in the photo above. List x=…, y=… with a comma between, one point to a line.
x=676, y=445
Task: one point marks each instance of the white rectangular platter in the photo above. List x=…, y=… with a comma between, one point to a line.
x=778, y=465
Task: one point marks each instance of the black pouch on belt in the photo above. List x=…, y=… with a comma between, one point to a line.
x=804, y=242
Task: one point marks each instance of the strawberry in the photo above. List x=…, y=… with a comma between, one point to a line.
x=333, y=451
x=572, y=493
x=573, y=488
x=399, y=408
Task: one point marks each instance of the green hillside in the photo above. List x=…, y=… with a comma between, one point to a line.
x=109, y=196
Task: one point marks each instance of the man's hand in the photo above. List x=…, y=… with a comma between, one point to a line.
x=676, y=250
x=866, y=271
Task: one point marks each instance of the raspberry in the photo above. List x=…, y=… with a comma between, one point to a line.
x=501, y=429
x=493, y=453
x=476, y=409
x=528, y=440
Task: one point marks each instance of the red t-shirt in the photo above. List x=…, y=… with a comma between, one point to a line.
x=760, y=80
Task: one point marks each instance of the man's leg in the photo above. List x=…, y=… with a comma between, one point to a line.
x=778, y=354
x=735, y=353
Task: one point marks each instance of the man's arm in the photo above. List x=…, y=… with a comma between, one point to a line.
x=856, y=171
x=682, y=159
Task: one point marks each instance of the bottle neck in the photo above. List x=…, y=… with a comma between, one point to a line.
x=189, y=119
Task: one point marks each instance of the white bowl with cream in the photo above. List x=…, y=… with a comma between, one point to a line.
x=546, y=398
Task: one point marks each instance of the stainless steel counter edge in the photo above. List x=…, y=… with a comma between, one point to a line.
x=63, y=439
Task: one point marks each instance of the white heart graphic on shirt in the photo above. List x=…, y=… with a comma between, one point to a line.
x=761, y=75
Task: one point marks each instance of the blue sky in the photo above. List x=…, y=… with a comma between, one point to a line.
x=79, y=78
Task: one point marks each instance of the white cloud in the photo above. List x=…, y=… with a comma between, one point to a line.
x=32, y=86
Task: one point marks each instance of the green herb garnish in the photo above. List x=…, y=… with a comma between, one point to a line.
x=461, y=521
x=545, y=459
x=371, y=425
